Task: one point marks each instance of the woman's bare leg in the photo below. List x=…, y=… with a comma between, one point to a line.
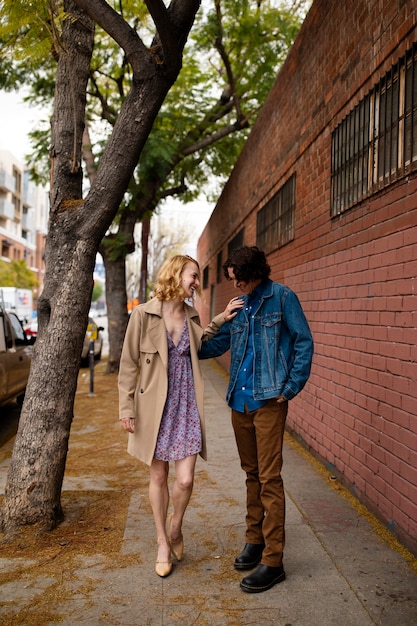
x=181, y=494
x=159, y=499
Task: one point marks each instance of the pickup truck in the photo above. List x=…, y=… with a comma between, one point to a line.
x=15, y=357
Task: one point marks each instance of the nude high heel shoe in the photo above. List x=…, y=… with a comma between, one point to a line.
x=163, y=568
x=178, y=547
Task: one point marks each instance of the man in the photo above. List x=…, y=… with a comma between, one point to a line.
x=271, y=349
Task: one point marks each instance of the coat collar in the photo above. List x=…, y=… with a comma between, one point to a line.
x=154, y=306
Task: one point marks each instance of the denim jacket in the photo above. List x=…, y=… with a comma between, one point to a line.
x=283, y=345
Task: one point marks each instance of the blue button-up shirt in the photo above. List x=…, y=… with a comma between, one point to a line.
x=242, y=396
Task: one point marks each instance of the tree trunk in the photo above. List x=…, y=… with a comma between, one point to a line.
x=76, y=227
x=146, y=227
x=114, y=248
x=117, y=314
x=36, y=473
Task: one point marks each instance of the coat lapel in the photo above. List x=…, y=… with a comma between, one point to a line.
x=156, y=330
x=195, y=330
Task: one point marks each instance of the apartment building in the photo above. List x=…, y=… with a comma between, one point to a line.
x=24, y=209
x=327, y=185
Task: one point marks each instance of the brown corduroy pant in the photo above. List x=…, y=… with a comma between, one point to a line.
x=259, y=437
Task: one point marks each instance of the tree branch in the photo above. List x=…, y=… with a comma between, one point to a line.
x=108, y=112
x=226, y=61
x=219, y=134
x=160, y=16
x=194, y=140
x=174, y=191
x=173, y=25
x=125, y=36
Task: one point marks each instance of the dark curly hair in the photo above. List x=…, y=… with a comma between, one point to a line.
x=248, y=263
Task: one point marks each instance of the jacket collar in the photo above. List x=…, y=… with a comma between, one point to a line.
x=263, y=290
x=266, y=288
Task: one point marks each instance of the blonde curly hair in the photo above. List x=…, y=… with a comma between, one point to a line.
x=168, y=285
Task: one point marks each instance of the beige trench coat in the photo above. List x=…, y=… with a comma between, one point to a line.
x=143, y=374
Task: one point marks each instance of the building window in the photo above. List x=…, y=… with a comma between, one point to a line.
x=275, y=221
x=219, y=269
x=212, y=301
x=17, y=180
x=16, y=204
x=350, y=158
x=5, y=248
x=236, y=242
x=377, y=142
x=205, y=277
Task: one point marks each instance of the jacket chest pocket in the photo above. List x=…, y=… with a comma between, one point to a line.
x=236, y=333
x=270, y=327
x=147, y=353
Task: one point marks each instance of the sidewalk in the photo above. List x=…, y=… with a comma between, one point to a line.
x=98, y=567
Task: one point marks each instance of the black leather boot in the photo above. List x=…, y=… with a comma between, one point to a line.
x=250, y=556
x=263, y=578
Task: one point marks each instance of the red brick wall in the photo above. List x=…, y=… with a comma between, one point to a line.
x=356, y=275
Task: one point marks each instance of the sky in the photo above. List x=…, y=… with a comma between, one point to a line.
x=16, y=120
x=191, y=218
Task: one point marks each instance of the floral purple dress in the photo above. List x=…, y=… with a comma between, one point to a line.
x=180, y=430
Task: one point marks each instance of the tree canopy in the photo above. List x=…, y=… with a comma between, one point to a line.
x=17, y=274
x=229, y=65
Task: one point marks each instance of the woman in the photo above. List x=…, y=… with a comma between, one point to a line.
x=161, y=394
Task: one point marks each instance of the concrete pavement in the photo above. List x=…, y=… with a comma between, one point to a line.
x=340, y=572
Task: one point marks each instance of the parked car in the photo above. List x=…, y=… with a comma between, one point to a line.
x=98, y=343
x=15, y=357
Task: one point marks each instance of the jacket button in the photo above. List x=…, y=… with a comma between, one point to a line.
x=148, y=360
x=142, y=390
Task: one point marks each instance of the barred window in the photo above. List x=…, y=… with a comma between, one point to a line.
x=410, y=112
x=377, y=142
x=219, y=269
x=205, y=277
x=275, y=221
x=236, y=242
